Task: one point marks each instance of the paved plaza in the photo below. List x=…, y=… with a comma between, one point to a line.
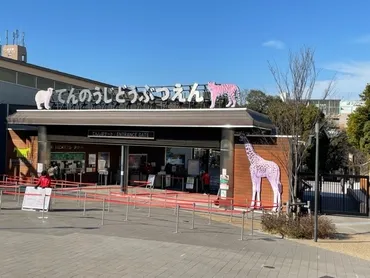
x=68, y=244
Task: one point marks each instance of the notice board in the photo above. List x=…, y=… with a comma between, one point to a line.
x=193, y=167
x=34, y=198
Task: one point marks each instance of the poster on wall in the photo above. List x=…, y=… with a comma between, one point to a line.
x=190, y=183
x=103, y=160
x=175, y=156
x=193, y=167
x=92, y=159
x=136, y=160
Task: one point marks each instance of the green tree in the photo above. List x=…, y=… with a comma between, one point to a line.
x=324, y=146
x=365, y=140
x=358, y=123
x=282, y=114
x=259, y=101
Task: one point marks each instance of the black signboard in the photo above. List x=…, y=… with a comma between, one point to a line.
x=123, y=134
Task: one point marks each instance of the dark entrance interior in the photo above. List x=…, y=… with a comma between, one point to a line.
x=101, y=164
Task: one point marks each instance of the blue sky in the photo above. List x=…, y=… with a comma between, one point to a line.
x=163, y=42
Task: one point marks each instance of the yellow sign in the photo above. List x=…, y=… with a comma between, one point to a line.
x=22, y=152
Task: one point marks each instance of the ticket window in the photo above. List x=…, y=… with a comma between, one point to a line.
x=67, y=163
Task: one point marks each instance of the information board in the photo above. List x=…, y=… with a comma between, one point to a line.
x=190, y=183
x=193, y=167
x=67, y=156
x=151, y=179
x=34, y=198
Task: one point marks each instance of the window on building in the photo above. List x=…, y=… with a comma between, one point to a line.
x=8, y=75
x=26, y=79
x=61, y=85
x=44, y=83
x=77, y=87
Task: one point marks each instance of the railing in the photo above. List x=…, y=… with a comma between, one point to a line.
x=138, y=191
x=338, y=194
x=203, y=205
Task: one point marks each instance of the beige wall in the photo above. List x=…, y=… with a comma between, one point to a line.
x=50, y=75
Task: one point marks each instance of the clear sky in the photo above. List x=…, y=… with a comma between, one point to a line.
x=163, y=42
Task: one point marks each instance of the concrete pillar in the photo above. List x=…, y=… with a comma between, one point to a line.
x=126, y=180
x=124, y=168
x=43, y=150
x=227, y=158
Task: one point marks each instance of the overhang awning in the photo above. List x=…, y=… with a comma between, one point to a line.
x=221, y=118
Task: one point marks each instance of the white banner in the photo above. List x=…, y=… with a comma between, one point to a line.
x=34, y=198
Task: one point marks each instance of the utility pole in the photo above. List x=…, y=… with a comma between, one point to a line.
x=317, y=131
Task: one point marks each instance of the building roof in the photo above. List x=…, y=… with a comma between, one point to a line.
x=22, y=66
x=223, y=117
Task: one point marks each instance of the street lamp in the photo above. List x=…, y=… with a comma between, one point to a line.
x=317, y=132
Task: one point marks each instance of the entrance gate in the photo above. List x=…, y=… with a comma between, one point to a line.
x=339, y=194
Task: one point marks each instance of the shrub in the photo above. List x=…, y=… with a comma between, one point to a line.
x=299, y=227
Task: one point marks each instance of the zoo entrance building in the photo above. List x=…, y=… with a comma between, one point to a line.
x=100, y=133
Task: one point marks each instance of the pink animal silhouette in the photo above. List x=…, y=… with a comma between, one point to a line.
x=232, y=91
x=262, y=168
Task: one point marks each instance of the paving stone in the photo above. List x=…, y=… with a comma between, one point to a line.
x=66, y=244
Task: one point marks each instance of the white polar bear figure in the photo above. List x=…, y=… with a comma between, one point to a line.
x=43, y=97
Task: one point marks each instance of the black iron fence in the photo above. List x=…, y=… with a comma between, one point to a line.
x=338, y=194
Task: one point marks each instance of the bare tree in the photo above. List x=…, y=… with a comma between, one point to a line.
x=243, y=97
x=295, y=87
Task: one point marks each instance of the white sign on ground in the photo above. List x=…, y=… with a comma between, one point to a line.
x=34, y=198
x=151, y=179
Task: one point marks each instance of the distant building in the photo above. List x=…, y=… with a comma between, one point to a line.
x=337, y=110
x=19, y=82
x=346, y=108
x=330, y=108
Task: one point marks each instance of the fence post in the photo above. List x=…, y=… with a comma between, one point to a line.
x=150, y=204
x=177, y=218
x=252, y=221
x=288, y=207
x=84, y=211
x=165, y=198
x=1, y=199
x=134, y=197
x=192, y=217
x=53, y=193
x=242, y=228
x=15, y=190
x=79, y=197
x=367, y=196
x=127, y=203
x=102, y=213
x=19, y=195
x=174, y=212
x=210, y=214
x=231, y=210
x=110, y=200
x=43, y=205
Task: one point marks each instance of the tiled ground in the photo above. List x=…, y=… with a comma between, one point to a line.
x=68, y=244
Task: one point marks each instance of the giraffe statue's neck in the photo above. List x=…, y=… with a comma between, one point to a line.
x=250, y=152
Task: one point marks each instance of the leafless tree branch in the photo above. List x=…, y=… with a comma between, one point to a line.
x=296, y=86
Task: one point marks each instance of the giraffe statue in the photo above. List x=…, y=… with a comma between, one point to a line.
x=262, y=168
